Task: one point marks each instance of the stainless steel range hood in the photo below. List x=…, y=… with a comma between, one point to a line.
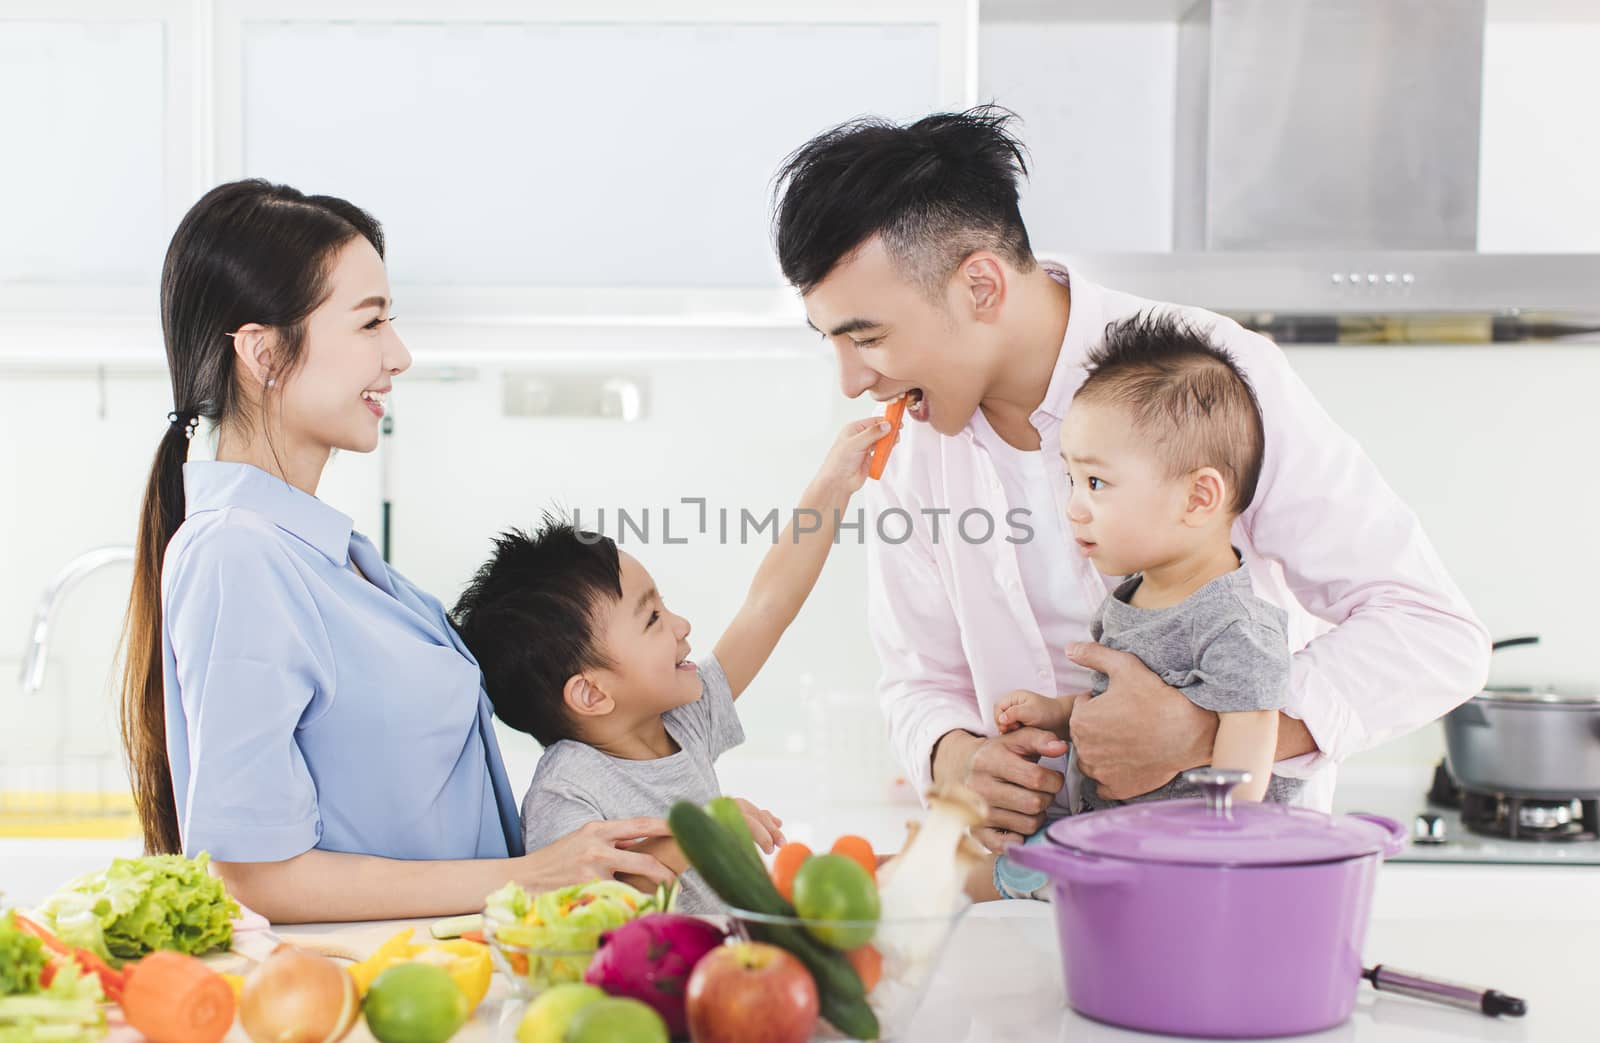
x=1327, y=166
x=1329, y=124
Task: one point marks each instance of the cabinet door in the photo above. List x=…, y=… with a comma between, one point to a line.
x=94, y=103
x=603, y=146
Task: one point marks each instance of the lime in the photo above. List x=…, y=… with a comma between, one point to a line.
x=616, y=1020
x=414, y=1003
x=548, y=1016
x=834, y=887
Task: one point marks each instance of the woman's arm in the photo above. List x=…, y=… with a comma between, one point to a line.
x=333, y=886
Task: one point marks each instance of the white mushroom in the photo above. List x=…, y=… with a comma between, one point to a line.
x=924, y=885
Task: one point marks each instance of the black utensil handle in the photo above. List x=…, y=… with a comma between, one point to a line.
x=1490, y=1002
x=1513, y=642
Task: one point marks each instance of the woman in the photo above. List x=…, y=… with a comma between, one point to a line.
x=291, y=704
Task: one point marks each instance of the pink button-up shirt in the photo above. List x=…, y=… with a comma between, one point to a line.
x=1384, y=641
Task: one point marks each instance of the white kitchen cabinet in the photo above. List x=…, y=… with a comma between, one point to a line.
x=95, y=114
x=520, y=152
x=1097, y=101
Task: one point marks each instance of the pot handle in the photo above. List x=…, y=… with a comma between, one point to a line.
x=1398, y=837
x=1067, y=866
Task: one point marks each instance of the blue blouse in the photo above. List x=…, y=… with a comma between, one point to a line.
x=308, y=707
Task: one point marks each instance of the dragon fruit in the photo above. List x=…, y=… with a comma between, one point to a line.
x=650, y=958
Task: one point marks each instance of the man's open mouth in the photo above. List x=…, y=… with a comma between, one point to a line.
x=917, y=405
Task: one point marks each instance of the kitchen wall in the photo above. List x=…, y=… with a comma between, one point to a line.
x=1490, y=445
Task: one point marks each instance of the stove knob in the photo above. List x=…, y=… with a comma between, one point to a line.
x=1428, y=829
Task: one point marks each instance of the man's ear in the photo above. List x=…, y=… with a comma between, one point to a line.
x=585, y=698
x=1208, y=497
x=252, y=346
x=981, y=282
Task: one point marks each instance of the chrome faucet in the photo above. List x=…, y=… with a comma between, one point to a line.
x=32, y=680
x=33, y=660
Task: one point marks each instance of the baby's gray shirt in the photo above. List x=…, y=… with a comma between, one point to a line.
x=576, y=783
x=1223, y=647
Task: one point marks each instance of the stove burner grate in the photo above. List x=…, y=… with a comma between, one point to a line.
x=1529, y=818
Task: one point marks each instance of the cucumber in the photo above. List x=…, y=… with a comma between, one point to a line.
x=725, y=811
x=717, y=856
x=456, y=926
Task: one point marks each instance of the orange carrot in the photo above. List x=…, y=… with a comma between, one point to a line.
x=858, y=850
x=895, y=414
x=868, y=963
x=174, y=998
x=473, y=936
x=785, y=864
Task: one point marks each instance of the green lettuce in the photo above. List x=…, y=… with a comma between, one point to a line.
x=66, y=1012
x=21, y=959
x=138, y=905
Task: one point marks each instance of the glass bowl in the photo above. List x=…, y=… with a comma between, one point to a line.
x=910, y=951
x=552, y=955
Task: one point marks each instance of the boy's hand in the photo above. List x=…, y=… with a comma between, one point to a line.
x=1024, y=709
x=764, y=826
x=845, y=468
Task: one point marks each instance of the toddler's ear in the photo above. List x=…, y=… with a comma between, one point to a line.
x=1208, y=496
x=586, y=699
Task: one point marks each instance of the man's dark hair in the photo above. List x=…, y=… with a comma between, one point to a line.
x=530, y=618
x=1184, y=393
x=935, y=190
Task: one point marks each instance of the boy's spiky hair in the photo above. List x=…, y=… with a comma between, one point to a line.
x=529, y=617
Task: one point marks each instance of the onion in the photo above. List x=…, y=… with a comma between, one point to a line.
x=296, y=996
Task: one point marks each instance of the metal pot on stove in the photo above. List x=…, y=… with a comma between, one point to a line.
x=1527, y=741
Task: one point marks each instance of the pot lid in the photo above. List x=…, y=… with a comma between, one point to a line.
x=1569, y=696
x=1215, y=830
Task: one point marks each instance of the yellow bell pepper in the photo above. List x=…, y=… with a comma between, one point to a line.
x=466, y=962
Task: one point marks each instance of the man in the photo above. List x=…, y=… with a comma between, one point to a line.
x=909, y=250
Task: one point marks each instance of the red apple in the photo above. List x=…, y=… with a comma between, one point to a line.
x=751, y=992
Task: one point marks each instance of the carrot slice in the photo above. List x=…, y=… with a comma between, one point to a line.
x=858, y=850
x=785, y=864
x=895, y=414
x=174, y=998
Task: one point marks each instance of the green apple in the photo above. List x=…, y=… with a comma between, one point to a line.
x=548, y=1017
x=615, y=1020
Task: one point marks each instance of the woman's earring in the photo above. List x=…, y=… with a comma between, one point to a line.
x=272, y=382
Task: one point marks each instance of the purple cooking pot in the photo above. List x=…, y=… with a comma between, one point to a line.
x=1207, y=918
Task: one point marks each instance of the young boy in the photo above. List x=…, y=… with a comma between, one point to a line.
x=1163, y=448
x=579, y=649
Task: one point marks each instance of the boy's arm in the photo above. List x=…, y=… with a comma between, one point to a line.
x=765, y=829
x=1247, y=740
x=791, y=567
x=666, y=851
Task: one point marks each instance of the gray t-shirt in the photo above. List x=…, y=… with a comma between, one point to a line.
x=1222, y=646
x=576, y=783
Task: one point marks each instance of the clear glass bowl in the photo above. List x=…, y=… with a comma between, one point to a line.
x=561, y=955
x=910, y=948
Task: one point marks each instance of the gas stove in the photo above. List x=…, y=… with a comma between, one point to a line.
x=1528, y=818
x=1456, y=824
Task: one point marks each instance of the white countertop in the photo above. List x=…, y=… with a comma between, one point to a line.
x=1531, y=931
x=1000, y=979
